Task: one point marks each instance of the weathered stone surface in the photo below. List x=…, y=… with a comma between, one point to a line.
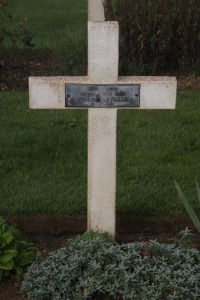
x=155, y=92
x=102, y=125
x=103, y=51
x=96, y=10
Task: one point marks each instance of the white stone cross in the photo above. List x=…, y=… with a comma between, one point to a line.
x=50, y=93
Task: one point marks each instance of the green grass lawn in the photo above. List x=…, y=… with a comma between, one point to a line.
x=45, y=18
x=43, y=158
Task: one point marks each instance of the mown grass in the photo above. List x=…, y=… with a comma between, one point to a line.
x=45, y=18
x=43, y=158
x=154, y=149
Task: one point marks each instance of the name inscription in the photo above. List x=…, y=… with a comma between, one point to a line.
x=99, y=95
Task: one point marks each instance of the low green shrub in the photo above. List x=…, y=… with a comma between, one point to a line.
x=93, y=265
x=15, y=253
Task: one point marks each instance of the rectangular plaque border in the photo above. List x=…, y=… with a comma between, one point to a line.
x=96, y=84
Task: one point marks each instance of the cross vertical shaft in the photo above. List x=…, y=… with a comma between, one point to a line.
x=103, y=55
x=102, y=125
x=95, y=10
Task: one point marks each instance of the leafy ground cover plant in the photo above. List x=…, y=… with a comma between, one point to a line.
x=92, y=265
x=15, y=253
x=187, y=205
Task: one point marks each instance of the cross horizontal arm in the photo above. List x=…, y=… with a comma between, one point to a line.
x=155, y=92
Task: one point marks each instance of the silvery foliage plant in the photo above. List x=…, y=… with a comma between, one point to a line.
x=87, y=267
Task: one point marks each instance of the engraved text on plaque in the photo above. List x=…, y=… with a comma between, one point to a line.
x=99, y=95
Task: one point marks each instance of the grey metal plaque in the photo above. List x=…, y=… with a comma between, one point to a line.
x=102, y=95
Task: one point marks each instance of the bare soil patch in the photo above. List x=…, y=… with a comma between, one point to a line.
x=16, y=66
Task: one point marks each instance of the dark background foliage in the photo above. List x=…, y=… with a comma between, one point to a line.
x=157, y=36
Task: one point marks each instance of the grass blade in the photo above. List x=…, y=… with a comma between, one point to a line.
x=188, y=207
x=198, y=190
